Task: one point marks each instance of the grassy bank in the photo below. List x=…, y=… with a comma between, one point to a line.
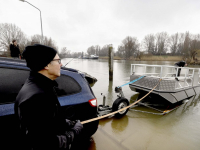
x=149, y=58
x=115, y=57
x=161, y=58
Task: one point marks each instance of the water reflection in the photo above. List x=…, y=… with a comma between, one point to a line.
x=134, y=97
x=119, y=125
x=104, y=121
x=110, y=93
x=191, y=105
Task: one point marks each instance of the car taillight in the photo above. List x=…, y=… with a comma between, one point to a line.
x=93, y=102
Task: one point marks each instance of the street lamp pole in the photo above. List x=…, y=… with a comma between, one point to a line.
x=40, y=16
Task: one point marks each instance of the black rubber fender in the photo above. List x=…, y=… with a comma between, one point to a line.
x=120, y=103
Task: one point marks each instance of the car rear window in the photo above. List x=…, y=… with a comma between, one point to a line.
x=11, y=81
x=67, y=86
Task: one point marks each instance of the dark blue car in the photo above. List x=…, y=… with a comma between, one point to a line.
x=74, y=93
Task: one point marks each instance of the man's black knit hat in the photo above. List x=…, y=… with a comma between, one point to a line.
x=38, y=56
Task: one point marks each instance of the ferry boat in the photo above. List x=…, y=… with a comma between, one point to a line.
x=93, y=57
x=172, y=90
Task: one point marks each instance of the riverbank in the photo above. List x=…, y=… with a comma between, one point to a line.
x=149, y=58
x=155, y=58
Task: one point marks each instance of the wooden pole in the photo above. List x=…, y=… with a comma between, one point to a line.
x=110, y=61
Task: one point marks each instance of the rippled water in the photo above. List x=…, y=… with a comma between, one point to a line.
x=178, y=130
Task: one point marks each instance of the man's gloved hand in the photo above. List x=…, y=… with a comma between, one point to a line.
x=77, y=128
x=70, y=124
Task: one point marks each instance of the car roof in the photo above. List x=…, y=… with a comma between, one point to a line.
x=19, y=62
x=11, y=61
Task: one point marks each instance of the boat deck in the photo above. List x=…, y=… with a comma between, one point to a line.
x=169, y=88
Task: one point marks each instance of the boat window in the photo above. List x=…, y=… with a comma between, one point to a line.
x=11, y=81
x=67, y=86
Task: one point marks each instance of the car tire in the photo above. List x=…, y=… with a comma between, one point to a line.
x=118, y=104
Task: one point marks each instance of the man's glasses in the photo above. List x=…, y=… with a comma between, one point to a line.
x=59, y=60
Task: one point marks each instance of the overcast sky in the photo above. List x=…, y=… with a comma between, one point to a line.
x=79, y=24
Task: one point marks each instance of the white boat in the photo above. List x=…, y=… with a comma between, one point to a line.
x=172, y=91
x=93, y=57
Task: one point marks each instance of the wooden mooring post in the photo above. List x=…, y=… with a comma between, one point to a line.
x=110, y=61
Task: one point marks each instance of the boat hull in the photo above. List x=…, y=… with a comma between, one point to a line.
x=165, y=94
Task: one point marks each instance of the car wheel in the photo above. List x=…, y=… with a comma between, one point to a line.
x=119, y=104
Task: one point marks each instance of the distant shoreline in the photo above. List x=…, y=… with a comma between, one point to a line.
x=148, y=58
x=155, y=58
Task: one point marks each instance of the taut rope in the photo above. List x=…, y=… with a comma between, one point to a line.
x=104, y=116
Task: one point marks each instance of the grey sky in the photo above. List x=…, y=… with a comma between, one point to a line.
x=79, y=24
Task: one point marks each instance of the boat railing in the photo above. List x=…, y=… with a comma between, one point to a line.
x=188, y=76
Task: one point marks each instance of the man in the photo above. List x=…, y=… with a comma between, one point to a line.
x=37, y=106
x=179, y=64
x=14, y=50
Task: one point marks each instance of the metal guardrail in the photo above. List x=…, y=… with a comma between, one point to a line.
x=164, y=72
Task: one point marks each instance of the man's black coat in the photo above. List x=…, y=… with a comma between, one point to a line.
x=38, y=112
x=14, y=50
x=180, y=63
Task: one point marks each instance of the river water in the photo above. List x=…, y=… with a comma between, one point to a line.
x=178, y=130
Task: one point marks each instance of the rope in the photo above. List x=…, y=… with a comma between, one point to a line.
x=132, y=81
x=162, y=113
x=101, y=117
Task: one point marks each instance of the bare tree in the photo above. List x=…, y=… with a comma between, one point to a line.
x=76, y=54
x=121, y=51
x=65, y=53
x=104, y=50
x=162, y=40
x=45, y=41
x=8, y=33
x=194, y=46
x=129, y=45
x=94, y=50
x=149, y=43
x=186, y=44
x=91, y=50
x=37, y=39
x=97, y=49
x=174, y=43
x=181, y=39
